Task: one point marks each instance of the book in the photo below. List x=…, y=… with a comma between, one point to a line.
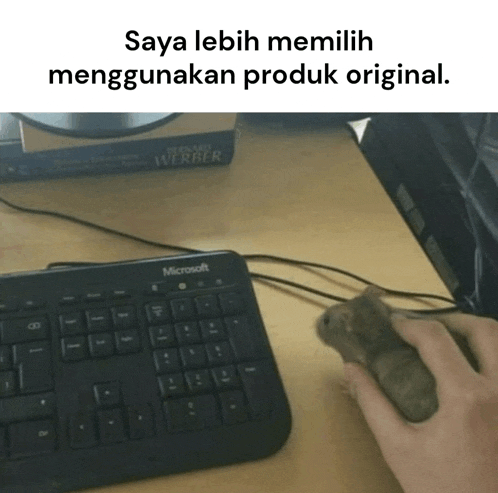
x=188, y=141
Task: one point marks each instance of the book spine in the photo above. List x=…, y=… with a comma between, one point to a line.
x=190, y=151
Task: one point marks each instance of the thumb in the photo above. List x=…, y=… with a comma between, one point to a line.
x=380, y=414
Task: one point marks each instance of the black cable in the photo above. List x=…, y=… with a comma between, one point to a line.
x=260, y=256
x=265, y=277
x=440, y=311
x=257, y=275
x=474, y=300
x=98, y=227
x=392, y=292
x=105, y=229
x=56, y=265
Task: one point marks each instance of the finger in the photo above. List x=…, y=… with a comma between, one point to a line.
x=437, y=349
x=482, y=336
x=382, y=418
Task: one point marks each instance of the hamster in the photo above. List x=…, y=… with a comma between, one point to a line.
x=361, y=331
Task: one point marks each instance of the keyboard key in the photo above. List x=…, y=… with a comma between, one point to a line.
x=171, y=287
x=225, y=377
x=82, y=432
x=118, y=293
x=247, y=342
x=157, y=312
x=154, y=289
x=254, y=377
x=124, y=317
x=183, y=309
x=198, y=381
x=201, y=284
x=166, y=360
x=69, y=299
x=7, y=383
x=31, y=438
x=100, y=345
x=207, y=306
x=127, y=341
x=107, y=394
x=5, y=358
x=74, y=348
x=9, y=304
x=32, y=379
x=71, y=323
x=111, y=426
x=187, y=333
x=33, y=303
x=23, y=330
x=219, y=353
x=191, y=413
x=162, y=336
x=219, y=281
x=27, y=407
x=98, y=320
x=231, y=303
x=233, y=407
x=140, y=422
x=93, y=296
x=35, y=369
x=212, y=330
x=171, y=385
x=193, y=356
x=38, y=352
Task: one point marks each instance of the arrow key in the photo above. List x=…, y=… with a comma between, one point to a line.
x=111, y=426
x=82, y=431
x=107, y=394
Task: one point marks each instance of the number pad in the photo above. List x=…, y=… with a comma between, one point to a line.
x=198, y=381
x=166, y=360
x=171, y=385
x=187, y=333
x=219, y=353
x=212, y=330
x=162, y=336
x=193, y=356
x=198, y=354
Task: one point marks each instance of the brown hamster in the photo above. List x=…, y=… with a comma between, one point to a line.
x=361, y=331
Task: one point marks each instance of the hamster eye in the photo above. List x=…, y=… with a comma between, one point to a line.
x=326, y=319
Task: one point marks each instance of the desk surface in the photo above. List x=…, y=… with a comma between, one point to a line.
x=303, y=194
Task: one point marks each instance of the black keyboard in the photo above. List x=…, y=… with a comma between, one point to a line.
x=122, y=371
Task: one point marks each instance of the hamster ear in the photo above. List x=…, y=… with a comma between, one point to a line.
x=373, y=291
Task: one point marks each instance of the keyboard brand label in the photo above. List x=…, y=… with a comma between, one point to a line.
x=177, y=271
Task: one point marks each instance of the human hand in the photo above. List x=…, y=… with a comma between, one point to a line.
x=456, y=450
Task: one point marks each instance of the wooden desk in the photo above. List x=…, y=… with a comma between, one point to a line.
x=303, y=194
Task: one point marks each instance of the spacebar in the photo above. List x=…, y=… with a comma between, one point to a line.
x=27, y=407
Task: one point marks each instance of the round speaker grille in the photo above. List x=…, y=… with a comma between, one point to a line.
x=96, y=125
